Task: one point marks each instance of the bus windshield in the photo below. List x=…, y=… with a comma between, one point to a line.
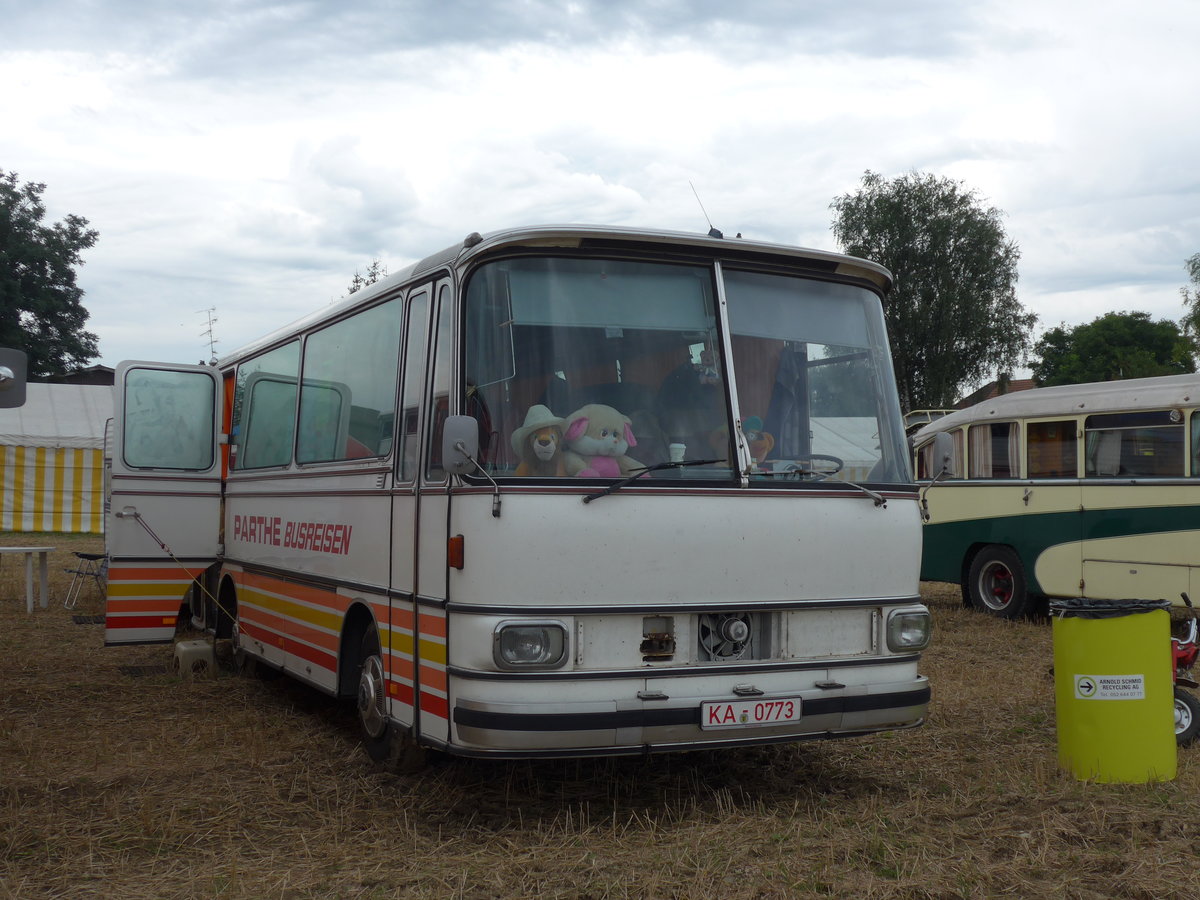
x=814, y=380
x=598, y=368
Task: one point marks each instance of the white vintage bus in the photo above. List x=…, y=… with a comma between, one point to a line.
x=1081, y=490
x=553, y=491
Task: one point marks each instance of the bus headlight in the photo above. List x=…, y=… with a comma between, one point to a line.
x=530, y=645
x=908, y=629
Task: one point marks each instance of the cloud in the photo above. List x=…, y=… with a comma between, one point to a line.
x=252, y=155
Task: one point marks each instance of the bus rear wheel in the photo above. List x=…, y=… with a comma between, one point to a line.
x=996, y=583
x=385, y=743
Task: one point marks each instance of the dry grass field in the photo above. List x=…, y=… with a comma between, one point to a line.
x=118, y=782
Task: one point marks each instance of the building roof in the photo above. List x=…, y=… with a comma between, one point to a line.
x=988, y=391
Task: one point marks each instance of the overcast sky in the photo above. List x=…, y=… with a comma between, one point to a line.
x=251, y=156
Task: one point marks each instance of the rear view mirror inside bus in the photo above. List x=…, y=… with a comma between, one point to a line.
x=460, y=444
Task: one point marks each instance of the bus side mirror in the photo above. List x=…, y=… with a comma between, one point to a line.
x=943, y=454
x=460, y=444
x=12, y=378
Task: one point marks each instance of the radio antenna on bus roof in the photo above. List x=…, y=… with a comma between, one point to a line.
x=712, y=232
x=210, y=333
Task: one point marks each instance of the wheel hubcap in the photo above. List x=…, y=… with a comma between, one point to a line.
x=1183, y=717
x=372, y=702
x=996, y=586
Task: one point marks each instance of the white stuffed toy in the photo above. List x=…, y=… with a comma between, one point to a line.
x=596, y=438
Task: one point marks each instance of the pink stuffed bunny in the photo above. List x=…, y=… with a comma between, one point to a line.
x=596, y=438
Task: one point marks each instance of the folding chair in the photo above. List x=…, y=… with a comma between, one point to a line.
x=91, y=567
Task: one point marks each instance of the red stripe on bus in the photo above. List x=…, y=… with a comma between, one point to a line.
x=435, y=705
x=116, y=622
x=398, y=690
x=313, y=655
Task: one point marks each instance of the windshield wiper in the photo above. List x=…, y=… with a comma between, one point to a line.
x=634, y=476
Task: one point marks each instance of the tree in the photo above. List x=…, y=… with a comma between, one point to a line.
x=40, y=309
x=1191, y=298
x=953, y=317
x=375, y=271
x=1113, y=346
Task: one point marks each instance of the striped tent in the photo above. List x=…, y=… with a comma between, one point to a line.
x=52, y=459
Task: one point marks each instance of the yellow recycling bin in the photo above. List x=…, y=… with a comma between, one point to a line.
x=1113, y=689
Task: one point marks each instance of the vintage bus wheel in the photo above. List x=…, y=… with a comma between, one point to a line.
x=372, y=691
x=383, y=741
x=1187, y=716
x=997, y=583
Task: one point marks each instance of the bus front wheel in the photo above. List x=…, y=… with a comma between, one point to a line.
x=996, y=583
x=384, y=742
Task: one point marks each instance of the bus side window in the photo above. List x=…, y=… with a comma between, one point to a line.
x=1195, y=470
x=994, y=450
x=1052, y=449
x=348, y=390
x=264, y=408
x=1138, y=444
x=443, y=361
x=927, y=467
x=414, y=379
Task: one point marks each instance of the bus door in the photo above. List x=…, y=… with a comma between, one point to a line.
x=433, y=513
x=402, y=648
x=164, y=515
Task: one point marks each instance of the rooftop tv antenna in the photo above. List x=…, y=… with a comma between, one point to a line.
x=712, y=232
x=209, y=333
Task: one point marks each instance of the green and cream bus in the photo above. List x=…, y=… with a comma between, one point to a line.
x=1081, y=490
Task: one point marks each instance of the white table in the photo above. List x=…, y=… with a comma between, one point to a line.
x=44, y=573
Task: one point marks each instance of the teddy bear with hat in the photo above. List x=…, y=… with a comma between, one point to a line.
x=538, y=444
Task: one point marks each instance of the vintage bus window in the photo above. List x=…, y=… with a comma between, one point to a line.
x=349, y=388
x=414, y=381
x=1195, y=419
x=264, y=408
x=927, y=468
x=548, y=336
x=994, y=450
x=440, y=387
x=168, y=420
x=1051, y=449
x=1134, y=444
x=814, y=379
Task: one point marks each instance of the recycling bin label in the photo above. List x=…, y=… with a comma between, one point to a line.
x=1110, y=687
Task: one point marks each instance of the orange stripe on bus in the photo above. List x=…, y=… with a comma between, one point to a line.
x=164, y=605
x=434, y=626
x=302, y=592
x=434, y=678
x=117, y=572
x=401, y=667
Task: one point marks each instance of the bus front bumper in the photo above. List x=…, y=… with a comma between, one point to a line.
x=674, y=722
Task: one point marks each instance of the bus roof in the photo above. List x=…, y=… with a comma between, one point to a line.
x=1075, y=399
x=580, y=237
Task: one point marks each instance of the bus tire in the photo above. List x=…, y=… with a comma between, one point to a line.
x=1187, y=717
x=996, y=583
x=386, y=744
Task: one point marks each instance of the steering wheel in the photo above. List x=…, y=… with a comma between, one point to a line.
x=832, y=465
